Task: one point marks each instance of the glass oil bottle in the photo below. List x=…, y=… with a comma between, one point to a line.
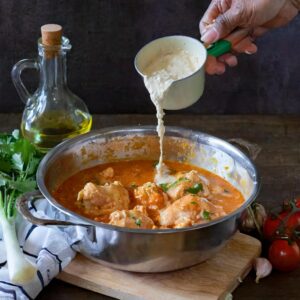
x=53, y=113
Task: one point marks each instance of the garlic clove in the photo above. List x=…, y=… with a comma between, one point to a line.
x=254, y=218
x=262, y=267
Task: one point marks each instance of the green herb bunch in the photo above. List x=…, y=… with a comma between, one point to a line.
x=19, y=160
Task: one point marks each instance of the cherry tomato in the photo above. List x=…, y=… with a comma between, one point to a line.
x=284, y=256
x=297, y=202
x=271, y=225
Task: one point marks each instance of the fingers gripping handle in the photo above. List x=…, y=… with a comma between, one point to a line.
x=224, y=46
x=16, y=76
x=219, y=48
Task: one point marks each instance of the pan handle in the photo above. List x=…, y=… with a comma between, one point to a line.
x=252, y=149
x=30, y=197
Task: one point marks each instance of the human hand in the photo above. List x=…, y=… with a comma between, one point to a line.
x=256, y=16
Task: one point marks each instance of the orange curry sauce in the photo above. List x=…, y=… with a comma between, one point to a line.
x=136, y=173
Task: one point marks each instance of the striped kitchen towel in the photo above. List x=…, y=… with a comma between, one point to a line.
x=50, y=248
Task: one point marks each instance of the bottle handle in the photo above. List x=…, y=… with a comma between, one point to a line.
x=16, y=76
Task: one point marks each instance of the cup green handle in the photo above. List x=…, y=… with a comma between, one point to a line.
x=219, y=48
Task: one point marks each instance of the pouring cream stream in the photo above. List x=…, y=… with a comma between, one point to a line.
x=160, y=73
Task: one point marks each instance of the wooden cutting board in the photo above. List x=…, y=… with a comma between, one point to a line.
x=213, y=279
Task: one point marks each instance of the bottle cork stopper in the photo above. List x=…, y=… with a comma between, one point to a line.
x=51, y=34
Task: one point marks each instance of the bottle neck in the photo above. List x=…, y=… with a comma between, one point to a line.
x=53, y=70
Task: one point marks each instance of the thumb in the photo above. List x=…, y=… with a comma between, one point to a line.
x=222, y=26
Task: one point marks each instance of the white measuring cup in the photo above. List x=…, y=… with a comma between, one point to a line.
x=186, y=91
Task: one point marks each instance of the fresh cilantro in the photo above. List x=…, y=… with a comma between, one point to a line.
x=16, y=134
x=194, y=202
x=5, y=164
x=195, y=189
x=206, y=215
x=19, y=160
x=18, y=163
x=164, y=187
x=175, y=183
x=138, y=222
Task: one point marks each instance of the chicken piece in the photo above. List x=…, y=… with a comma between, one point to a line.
x=106, y=176
x=191, y=180
x=189, y=210
x=152, y=197
x=135, y=218
x=101, y=200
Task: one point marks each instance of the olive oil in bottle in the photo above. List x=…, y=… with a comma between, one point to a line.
x=49, y=130
x=53, y=113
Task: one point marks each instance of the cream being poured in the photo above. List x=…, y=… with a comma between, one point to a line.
x=160, y=74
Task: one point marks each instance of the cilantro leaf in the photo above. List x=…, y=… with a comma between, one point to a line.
x=195, y=189
x=175, y=183
x=19, y=160
x=18, y=163
x=16, y=134
x=164, y=187
x=25, y=148
x=32, y=165
x=23, y=186
x=5, y=165
x=138, y=222
x=206, y=215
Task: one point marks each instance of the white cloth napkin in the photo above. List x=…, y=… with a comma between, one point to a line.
x=50, y=248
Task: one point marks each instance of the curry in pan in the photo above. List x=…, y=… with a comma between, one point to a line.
x=124, y=194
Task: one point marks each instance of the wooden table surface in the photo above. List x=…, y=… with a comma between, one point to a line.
x=278, y=164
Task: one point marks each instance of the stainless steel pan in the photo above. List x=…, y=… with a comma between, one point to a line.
x=137, y=249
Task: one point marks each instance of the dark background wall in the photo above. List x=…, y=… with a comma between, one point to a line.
x=106, y=35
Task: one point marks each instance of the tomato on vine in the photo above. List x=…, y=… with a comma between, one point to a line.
x=272, y=225
x=284, y=255
x=285, y=223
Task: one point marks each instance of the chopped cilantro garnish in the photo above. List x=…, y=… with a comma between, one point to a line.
x=226, y=191
x=138, y=222
x=194, y=202
x=164, y=187
x=178, y=181
x=133, y=185
x=195, y=189
x=206, y=215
